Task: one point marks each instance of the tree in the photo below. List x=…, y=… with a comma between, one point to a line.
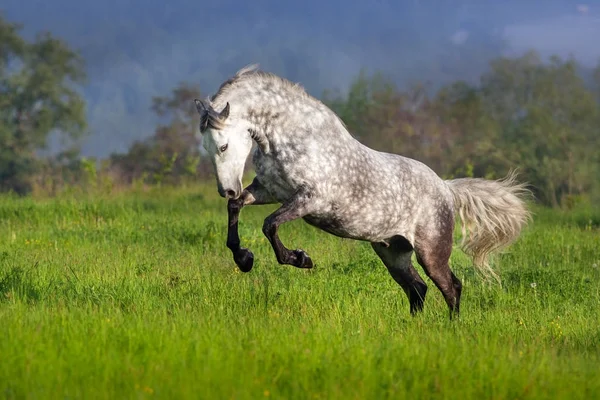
x=403, y=122
x=597, y=81
x=549, y=120
x=38, y=97
x=526, y=113
x=475, y=150
x=173, y=150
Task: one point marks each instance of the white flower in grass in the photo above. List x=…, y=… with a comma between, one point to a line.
x=533, y=285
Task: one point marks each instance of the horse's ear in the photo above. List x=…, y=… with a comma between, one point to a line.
x=200, y=106
x=225, y=112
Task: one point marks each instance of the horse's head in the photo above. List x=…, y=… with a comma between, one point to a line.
x=228, y=144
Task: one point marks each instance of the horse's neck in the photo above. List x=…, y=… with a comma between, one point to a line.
x=275, y=121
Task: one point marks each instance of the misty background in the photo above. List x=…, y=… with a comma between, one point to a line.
x=135, y=50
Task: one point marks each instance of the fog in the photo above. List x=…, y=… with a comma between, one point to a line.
x=137, y=50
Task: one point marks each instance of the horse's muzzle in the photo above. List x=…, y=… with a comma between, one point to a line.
x=229, y=193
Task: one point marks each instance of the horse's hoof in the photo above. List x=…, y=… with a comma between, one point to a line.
x=304, y=260
x=244, y=259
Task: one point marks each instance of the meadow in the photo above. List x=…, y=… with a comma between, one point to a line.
x=133, y=294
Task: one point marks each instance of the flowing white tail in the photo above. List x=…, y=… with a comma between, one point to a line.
x=492, y=214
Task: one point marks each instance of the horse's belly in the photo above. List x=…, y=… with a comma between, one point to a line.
x=349, y=229
x=329, y=225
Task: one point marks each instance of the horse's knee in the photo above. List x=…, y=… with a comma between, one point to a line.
x=234, y=206
x=269, y=228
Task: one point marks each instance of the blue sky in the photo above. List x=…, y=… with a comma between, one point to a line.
x=139, y=49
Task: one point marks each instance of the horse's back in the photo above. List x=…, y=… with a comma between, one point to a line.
x=389, y=195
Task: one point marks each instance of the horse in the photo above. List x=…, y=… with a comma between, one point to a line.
x=306, y=161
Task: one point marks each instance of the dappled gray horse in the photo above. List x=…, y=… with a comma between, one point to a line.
x=306, y=160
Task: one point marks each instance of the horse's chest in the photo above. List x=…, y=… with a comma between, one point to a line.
x=274, y=177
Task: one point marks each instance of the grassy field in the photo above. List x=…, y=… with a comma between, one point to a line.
x=135, y=295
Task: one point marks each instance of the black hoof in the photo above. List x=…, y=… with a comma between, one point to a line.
x=244, y=259
x=304, y=260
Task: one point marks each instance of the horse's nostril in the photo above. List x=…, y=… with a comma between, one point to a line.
x=230, y=194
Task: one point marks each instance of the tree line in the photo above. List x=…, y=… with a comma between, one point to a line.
x=539, y=116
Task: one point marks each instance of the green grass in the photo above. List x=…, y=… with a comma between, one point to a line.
x=136, y=296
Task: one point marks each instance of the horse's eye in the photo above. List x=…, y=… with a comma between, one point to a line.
x=223, y=148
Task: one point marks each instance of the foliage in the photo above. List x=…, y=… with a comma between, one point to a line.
x=549, y=123
x=402, y=122
x=172, y=153
x=597, y=80
x=135, y=295
x=38, y=97
x=537, y=116
x=526, y=114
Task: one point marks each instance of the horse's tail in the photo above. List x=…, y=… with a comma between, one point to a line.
x=492, y=214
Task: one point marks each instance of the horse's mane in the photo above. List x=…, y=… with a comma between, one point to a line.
x=253, y=73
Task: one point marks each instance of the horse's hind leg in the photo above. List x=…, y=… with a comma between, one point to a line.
x=397, y=258
x=433, y=254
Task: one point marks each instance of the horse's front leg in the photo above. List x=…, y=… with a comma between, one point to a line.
x=297, y=207
x=254, y=194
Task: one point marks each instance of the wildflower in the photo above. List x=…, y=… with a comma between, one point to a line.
x=533, y=285
x=555, y=328
x=267, y=393
x=594, y=265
